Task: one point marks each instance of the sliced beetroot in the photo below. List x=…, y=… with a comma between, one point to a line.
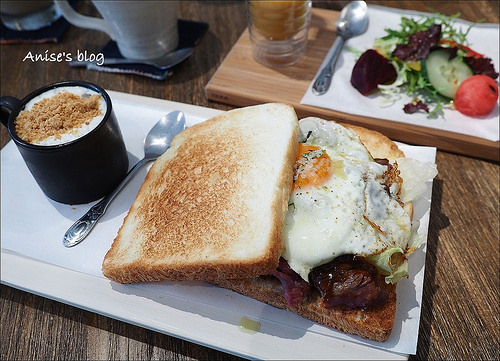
x=370, y=70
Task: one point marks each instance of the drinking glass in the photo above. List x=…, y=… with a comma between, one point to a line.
x=278, y=30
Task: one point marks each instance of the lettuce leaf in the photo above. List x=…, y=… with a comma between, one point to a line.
x=391, y=263
x=415, y=174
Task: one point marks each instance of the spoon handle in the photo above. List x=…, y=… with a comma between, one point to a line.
x=324, y=79
x=82, y=227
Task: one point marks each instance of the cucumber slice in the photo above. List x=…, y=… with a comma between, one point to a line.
x=446, y=75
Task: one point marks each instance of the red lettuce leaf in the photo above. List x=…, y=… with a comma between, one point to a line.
x=414, y=107
x=482, y=66
x=419, y=44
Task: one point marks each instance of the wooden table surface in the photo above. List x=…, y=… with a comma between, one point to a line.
x=460, y=310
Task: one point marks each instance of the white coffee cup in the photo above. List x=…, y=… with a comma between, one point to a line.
x=143, y=30
x=24, y=15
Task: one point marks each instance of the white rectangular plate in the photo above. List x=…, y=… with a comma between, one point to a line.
x=34, y=260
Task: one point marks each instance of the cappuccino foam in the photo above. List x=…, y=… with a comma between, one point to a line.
x=60, y=115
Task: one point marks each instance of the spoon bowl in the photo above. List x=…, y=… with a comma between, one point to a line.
x=352, y=21
x=155, y=144
x=160, y=136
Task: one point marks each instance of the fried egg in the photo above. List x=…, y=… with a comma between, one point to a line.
x=340, y=203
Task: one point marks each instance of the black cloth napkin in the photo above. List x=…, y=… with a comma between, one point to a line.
x=190, y=33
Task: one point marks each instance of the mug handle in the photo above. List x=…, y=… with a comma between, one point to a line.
x=82, y=21
x=10, y=103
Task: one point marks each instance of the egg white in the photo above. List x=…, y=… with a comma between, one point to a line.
x=351, y=213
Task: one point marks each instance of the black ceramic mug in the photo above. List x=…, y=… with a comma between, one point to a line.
x=80, y=170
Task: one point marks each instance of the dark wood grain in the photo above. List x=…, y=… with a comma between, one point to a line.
x=460, y=313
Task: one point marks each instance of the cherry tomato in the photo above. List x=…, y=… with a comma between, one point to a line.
x=476, y=96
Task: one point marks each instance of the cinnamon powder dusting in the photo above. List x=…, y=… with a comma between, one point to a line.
x=60, y=114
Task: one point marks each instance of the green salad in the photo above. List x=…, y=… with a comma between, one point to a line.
x=429, y=59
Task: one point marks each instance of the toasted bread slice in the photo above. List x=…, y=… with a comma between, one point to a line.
x=376, y=323
x=213, y=206
x=377, y=144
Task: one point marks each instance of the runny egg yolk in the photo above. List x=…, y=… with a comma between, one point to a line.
x=312, y=166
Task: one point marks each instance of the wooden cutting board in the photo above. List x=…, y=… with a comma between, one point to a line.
x=241, y=81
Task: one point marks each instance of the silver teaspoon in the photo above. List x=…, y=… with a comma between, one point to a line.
x=156, y=143
x=352, y=21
